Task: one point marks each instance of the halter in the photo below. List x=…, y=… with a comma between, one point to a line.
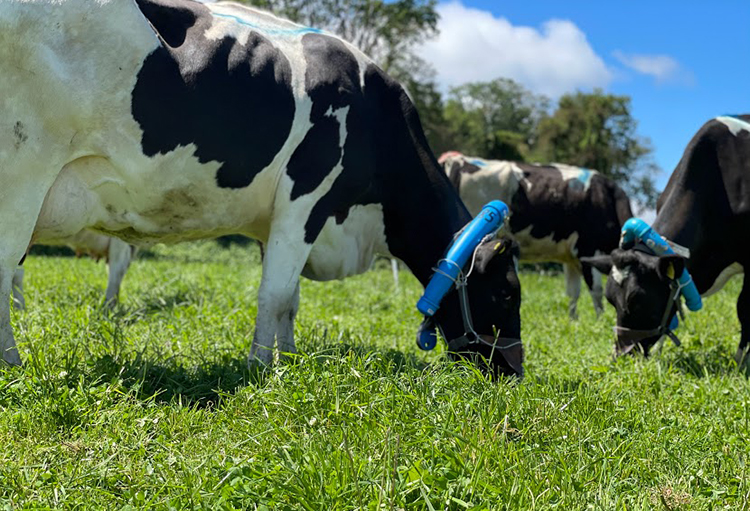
x=471, y=338
x=449, y=273
x=639, y=236
x=628, y=337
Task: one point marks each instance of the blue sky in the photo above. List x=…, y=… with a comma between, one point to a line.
x=680, y=62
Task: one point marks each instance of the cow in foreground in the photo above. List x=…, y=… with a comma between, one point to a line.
x=171, y=120
x=559, y=213
x=705, y=209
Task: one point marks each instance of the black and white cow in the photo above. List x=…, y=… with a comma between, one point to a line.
x=170, y=120
x=704, y=208
x=116, y=252
x=559, y=213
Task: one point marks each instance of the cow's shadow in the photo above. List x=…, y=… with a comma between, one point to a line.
x=707, y=362
x=175, y=380
x=208, y=384
x=149, y=305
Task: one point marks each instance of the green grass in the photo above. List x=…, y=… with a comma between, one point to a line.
x=152, y=406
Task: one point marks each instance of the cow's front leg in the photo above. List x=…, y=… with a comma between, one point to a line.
x=119, y=255
x=572, y=287
x=7, y=342
x=285, y=334
x=743, y=314
x=593, y=279
x=18, y=300
x=278, y=296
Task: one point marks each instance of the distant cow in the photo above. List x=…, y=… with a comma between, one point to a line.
x=171, y=120
x=705, y=208
x=117, y=253
x=559, y=212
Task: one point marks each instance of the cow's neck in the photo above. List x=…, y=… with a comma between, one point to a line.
x=424, y=222
x=691, y=216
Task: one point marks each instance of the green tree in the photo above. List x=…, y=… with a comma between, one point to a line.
x=596, y=130
x=496, y=119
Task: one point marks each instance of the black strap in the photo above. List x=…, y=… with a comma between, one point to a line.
x=627, y=337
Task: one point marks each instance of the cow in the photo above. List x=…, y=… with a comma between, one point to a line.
x=559, y=212
x=172, y=120
x=705, y=209
x=117, y=253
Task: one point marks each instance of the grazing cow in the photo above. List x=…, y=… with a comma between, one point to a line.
x=170, y=120
x=559, y=213
x=117, y=253
x=705, y=208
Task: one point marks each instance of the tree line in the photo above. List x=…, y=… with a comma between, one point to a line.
x=497, y=119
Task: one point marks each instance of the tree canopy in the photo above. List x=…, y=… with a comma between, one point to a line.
x=597, y=130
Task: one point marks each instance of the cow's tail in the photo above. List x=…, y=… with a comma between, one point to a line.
x=622, y=205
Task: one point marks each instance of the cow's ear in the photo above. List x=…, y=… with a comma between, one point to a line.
x=670, y=266
x=603, y=263
x=494, y=250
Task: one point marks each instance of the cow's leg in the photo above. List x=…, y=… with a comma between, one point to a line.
x=278, y=295
x=285, y=334
x=18, y=301
x=19, y=211
x=394, y=271
x=572, y=287
x=593, y=279
x=119, y=255
x=743, y=314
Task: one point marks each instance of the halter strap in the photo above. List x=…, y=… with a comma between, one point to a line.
x=628, y=337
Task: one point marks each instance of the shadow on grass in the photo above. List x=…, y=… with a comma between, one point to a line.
x=714, y=361
x=397, y=361
x=168, y=381
x=206, y=384
x=149, y=305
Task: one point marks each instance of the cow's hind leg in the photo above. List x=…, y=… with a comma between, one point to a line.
x=119, y=255
x=743, y=314
x=572, y=287
x=278, y=295
x=593, y=279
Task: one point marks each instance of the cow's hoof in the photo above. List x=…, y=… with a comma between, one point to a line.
x=260, y=358
x=742, y=359
x=11, y=357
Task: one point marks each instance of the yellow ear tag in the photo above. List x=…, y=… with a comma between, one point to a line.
x=670, y=271
x=501, y=247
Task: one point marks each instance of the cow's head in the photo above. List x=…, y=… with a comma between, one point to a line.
x=641, y=287
x=494, y=297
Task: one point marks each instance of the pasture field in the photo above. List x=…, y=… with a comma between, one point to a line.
x=152, y=406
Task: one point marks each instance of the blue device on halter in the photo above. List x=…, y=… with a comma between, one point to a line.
x=485, y=224
x=635, y=230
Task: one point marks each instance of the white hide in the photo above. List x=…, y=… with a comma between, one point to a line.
x=490, y=182
x=733, y=124
x=67, y=132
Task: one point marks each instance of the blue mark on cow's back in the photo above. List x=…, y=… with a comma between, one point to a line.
x=581, y=179
x=269, y=30
x=478, y=163
x=585, y=176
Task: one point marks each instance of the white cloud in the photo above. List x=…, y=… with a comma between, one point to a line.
x=474, y=45
x=663, y=68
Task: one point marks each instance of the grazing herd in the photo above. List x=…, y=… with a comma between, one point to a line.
x=172, y=120
x=559, y=213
